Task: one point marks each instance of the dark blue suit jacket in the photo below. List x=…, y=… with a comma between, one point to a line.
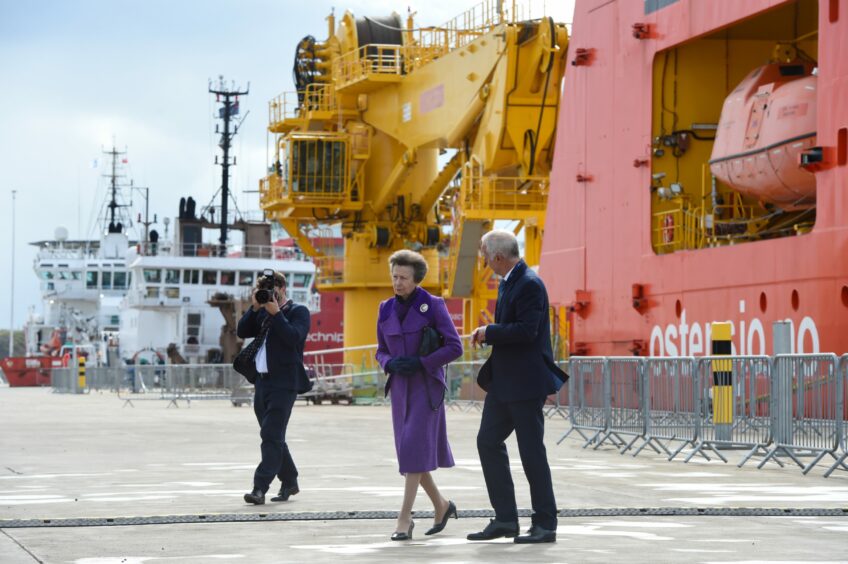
x=521, y=366
x=284, y=344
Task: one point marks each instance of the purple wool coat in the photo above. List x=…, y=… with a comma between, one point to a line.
x=421, y=438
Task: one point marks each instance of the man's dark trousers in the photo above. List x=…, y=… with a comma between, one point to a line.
x=528, y=421
x=273, y=405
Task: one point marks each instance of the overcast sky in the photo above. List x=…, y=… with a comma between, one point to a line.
x=77, y=74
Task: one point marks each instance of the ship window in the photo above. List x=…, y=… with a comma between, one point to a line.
x=50, y=286
x=152, y=292
x=107, y=281
x=115, y=319
x=63, y=275
x=76, y=275
x=245, y=279
x=299, y=280
x=191, y=277
x=91, y=279
x=47, y=275
x=172, y=292
x=153, y=275
x=228, y=278
x=172, y=276
x=210, y=277
x=193, y=322
x=119, y=280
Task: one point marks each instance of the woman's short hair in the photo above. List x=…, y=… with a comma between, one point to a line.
x=413, y=259
x=501, y=242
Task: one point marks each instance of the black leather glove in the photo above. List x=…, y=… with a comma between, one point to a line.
x=393, y=366
x=409, y=364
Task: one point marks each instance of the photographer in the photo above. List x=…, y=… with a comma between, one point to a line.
x=281, y=376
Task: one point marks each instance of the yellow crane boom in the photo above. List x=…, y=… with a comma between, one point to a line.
x=358, y=146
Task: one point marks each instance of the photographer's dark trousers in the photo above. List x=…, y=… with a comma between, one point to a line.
x=273, y=406
x=527, y=420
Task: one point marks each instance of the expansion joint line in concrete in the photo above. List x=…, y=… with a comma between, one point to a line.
x=468, y=514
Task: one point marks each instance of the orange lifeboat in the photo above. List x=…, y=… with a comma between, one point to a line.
x=766, y=123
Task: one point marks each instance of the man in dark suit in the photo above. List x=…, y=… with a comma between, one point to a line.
x=518, y=376
x=280, y=377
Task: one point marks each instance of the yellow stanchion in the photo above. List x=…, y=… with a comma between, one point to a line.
x=81, y=373
x=722, y=370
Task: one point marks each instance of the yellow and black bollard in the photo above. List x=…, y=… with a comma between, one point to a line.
x=722, y=370
x=80, y=374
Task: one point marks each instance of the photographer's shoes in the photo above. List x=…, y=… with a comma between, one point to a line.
x=286, y=492
x=256, y=497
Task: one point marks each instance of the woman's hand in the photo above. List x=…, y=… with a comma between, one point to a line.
x=406, y=364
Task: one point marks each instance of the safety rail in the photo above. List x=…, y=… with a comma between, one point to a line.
x=370, y=62
x=316, y=97
x=507, y=194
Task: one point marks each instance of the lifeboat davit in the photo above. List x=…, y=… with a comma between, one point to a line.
x=766, y=123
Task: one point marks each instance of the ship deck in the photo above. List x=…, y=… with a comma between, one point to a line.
x=80, y=460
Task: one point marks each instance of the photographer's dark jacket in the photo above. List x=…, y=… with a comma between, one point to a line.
x=284, y=344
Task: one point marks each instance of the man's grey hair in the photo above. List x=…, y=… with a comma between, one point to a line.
x=501, y=242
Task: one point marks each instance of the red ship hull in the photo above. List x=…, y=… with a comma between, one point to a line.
x=29, y=371
x=598, y=259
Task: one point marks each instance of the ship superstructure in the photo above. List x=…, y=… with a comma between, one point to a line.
x=700, y=176
x=83, y=281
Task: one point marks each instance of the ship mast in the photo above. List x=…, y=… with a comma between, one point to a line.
x=228, y=96
x=114, y=226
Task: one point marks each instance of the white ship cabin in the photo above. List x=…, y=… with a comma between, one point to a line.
x=82, y=284
x=172, y=283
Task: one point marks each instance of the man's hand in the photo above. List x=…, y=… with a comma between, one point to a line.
x=271, y=306
x=478, y=336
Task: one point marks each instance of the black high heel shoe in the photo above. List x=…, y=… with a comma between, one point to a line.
x=440, y=527
x=404, y=536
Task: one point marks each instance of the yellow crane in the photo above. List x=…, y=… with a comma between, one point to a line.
x=358, y=147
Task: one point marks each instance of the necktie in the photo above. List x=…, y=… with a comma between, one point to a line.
x=500, y=293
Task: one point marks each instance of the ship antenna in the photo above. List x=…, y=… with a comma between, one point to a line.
x=115, y=226
x=228, y=96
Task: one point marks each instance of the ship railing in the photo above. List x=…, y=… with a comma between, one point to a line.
x=53, y=252
x=369, y=62
x=512, y=197
x=271, y=252
x=316, y=97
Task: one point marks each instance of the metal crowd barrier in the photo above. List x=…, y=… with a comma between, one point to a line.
x=751, y=409
x=671, y=400
x=791, y=406
x=842, y=409
x=809, y=417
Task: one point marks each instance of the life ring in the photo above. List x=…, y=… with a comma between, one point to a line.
x=160, y=358
x=668, y=229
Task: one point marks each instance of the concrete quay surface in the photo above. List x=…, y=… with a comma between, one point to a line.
x=87, y=458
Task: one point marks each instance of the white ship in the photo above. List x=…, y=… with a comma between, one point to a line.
x=82, y=284
x=178, y=288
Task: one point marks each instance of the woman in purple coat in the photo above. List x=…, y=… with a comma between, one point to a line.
x=417, y=385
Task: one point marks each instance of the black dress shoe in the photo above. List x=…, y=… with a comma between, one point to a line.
x=286, y=492
x=495, y=530
x=536, y=534
x=440, y=527
x=256, y=497
x=404, y=536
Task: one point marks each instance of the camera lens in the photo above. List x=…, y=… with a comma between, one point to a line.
x=263, y=296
